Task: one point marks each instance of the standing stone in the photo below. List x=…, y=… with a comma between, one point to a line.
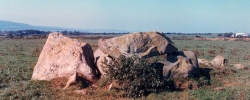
x=65, y=57
x=142, y=44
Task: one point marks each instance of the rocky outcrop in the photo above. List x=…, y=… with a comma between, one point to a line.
x=65, y=57
x=142, y=44
x=102, y=60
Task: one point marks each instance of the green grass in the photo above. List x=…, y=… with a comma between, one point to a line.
x=234, y=51
x=18, y=58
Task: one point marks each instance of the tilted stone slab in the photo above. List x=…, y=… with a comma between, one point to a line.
x=142, y=44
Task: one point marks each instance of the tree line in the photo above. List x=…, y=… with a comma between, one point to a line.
x=24, y=33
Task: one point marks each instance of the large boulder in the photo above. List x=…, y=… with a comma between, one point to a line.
x=142, y=44
x=182, y=68
x=185, y=55
x=65, y=57
x=102, y=61
x=173, y=57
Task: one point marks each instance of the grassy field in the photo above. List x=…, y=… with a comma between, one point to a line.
x=19, y=56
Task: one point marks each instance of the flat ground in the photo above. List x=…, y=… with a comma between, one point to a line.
x=19, y=56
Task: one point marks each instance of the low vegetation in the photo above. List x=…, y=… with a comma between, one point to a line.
x=19, y=56
x=137, y=77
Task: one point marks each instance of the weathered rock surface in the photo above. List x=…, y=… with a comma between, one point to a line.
x=65, y=57
x=204, y=62
x=101, y=61
x=182, y=64
x=219, y=61
x=173, y=57
x=142, y=44
x=240, y=66
x=182, y=68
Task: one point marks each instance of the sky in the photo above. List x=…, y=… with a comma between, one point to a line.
x=186, y=16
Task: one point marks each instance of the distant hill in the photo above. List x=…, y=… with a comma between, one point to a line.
x=14, y=26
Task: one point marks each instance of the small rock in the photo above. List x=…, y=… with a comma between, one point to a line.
x=114, y=85
x=219, y=88
x=240, y=66
x=219, y=61
x=82, y=91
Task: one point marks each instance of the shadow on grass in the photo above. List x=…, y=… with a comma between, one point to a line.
x=205, y=72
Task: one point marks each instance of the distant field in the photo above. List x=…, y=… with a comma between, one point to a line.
x=192, y=36
x=19, y=56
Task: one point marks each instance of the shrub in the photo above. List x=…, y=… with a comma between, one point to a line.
x=137, y=77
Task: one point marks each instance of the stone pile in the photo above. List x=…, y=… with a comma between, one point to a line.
x=65, y=57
